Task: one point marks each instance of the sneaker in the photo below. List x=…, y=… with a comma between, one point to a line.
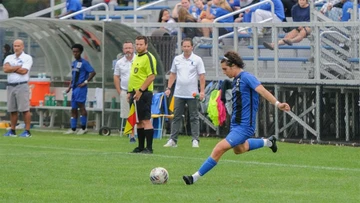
x=195, y=143
x=25, y=134
x=132, y=140
x=189, y=180
x=273, y=147
x=170, y=143
x=69, y=132
x=137, y=150
x=147, y=151
x=81, y=131
x=10, y=133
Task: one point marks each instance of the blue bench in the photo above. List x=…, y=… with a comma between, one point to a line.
x=354, y=60
x=102, y=17
x=127, y=8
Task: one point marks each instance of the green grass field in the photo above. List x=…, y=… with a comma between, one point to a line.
x=51, y=167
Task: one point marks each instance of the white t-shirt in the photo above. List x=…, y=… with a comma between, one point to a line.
x=122, y=69
x=25, y=61
x=187, y=74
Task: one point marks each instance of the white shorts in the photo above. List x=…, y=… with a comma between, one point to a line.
x=124, y=104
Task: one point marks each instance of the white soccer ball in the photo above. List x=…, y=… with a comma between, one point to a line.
x=159, y=175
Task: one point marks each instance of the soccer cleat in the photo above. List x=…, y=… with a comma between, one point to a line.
x=147, y=151
x=25, y=134
x=273, y=147
x=137, y=150
x=81, y=131
x=69, y=132
x=10, y=133
x=132, y=140
x=170, y=143
x=189, y=180
x=195, y=143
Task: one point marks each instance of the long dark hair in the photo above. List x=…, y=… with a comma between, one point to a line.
x=162, y=13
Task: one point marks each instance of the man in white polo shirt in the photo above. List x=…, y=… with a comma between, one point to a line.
x=187, y=68
x=18, y=66
x=121, y=80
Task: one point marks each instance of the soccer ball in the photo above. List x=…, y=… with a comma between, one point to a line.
x=159, y=175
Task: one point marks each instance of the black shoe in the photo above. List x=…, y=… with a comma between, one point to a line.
x=189, y=180
x=268, y=45
x=137, y=150
x=272, y=139
x=147, y=151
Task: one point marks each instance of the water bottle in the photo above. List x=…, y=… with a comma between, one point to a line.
x=65, y=98
x=94, y=103
x=47, y=100
x=197, y=96
x=113, y=102
x=50, y=96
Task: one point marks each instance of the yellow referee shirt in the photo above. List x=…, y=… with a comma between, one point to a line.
x=142, y=66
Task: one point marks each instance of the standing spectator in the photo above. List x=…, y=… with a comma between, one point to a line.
x=7, y=51
x=245, y=98
x=300, y=13
x=73, y=6
x=17, y=66
x=187, y=68
x=3, y=16
x=82, y=73
x=121, y=80
x=140, y=90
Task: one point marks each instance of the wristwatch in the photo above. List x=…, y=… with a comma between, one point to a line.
x=142, y=91
x=168, y=88
x=86, y=81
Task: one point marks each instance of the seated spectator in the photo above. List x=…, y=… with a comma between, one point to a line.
x=188, y=32
x=164, y=17
x=288, y=4
x=263, y=12
x=300, y=13
x=86, y=3
x=198, y=10
x=215, y=9
x=73, y=6
x=333, y=9
x=347, y=9
x=184, y=3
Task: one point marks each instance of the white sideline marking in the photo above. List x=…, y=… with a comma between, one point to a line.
x=98, y=152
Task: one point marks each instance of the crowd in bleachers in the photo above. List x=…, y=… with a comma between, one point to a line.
x=202, y=11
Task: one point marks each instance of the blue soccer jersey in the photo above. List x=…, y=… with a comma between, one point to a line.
x=80, y=72
x=245, y=99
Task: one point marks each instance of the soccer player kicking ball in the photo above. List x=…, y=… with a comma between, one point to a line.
x=245, y=98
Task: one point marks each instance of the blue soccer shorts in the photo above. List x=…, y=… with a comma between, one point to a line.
x=78, y=96
x=239, y=134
